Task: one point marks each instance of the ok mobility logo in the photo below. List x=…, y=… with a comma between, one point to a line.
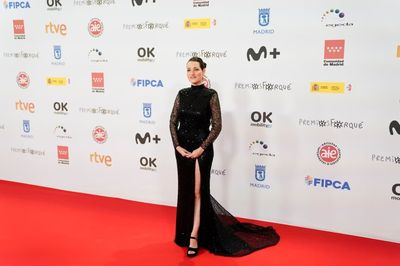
x=262, y=52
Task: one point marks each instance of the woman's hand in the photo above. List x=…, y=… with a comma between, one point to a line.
x=196, y=153
x=182, y=151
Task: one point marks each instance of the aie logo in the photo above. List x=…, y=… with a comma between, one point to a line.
x=95, y=27
x=139, y=2
x=23, y=80
x=99, y=134
x=394, y=125
x=328, y=153
x=147, y=137
x=261, y=52
x=326, y=183
x=261, y=119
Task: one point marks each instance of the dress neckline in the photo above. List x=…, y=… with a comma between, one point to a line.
x=196, y=87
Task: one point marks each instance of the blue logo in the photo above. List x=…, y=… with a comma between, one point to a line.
x=26, y=126
x=146, y=83
x=57, y=51
x=263, y=17
x=16, y=4
x=326, y=183
x=147, y=110
x=260, y=172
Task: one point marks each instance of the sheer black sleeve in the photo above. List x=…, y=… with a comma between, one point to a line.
x=216, y=121
x=173, y=122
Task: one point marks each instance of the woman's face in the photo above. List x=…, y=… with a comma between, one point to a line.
x=194, y=73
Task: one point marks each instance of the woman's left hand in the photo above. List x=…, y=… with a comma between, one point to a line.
x=196, y=153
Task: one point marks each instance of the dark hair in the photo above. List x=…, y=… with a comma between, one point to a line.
x=202, y=64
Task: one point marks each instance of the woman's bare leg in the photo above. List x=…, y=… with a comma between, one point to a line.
x=197, y=198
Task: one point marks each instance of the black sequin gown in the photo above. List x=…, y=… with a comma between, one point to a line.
x=194, y=110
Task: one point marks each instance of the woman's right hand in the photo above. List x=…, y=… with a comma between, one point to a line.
x=182, y=151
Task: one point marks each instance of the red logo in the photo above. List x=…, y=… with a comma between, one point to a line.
x=23, y=80
x=97, y=81
x=63, y=154
x=328, y=153
x=95, y=27
x=99, y=134
x=334, y=49
x=19, y=28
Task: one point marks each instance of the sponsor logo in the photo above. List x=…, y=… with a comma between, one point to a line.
x=60, y=108
x=262, y=52
x=57, y=56
x=385, y=158
x=101, y=159
x=263, y=21
x=218, y=172
x=145, y=83
x=26, y=127
x=140, y=2
x=202, y=54
x=61, y=132
x=146, y=26
x=95, y=27
x=96, y=56
x=394, y=126
x=261, y=119
x=63, y=154
x=148, y=163
x=21, y=54
x=398, y=51
x=28, y=151
x=200, y=3
x=19, y=29
x=260, y=175
x=99, y=110
x=23, y=80
x=146, y=138
x=54, y=5
x=97, y=82
x=328, y=153
x=146, y=54
x=334, y=53
x=147, y=113
x=327, y=87
x=331, y=123
x=327, y=183
x=263, y=86
x=199, y=23
x=99, y=134
x=260, y=148
x=396, y=192
x=25, y=106
x=16, y=4
x=57, y=81
x=51, y=28
x=93, y=3
x=335, y=18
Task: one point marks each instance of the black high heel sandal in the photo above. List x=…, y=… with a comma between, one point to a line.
x=192, y=252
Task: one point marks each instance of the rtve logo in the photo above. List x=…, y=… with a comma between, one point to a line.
x=102, y=159
x=140, y=2
x=56, y=28
x=22, y=106
x=261, y=52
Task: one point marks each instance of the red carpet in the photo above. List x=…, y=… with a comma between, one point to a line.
x=42, y=226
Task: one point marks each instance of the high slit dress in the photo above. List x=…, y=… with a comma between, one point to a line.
x=195, y=110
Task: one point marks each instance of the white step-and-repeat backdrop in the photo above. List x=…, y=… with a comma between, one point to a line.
x=309, y=93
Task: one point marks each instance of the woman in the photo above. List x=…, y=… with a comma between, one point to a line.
x=200, y=219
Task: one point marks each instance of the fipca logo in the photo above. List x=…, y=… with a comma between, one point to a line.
x=97, y=56
x=57, y=81
x=394, y=126
x=263, y=22
x=147, y=114
x=52, y=28
x=100, y=134
x=26, y=128
x=57, y=54
x=54, y=5
x=23, y=80
x=396, y=192
x=328, y=87
x=326, y=183
x=261, y=119
x=61, y=132
x=148, y=163
x=25, y=106
x=140, y=2
x=60, y=108
x=19, y=29
x=262, y=52
x=146, y=54
x=142, y=139
x=101, y=159
x=260, y=148
x=334, y=53
x=260, y=175
x=16, y=4
x=95, y=27
x=328, y=153
x=146, y=83
x=335, y=18
x=63, y=154
x=98, y=82
x=199, y=23
x=201, y=3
